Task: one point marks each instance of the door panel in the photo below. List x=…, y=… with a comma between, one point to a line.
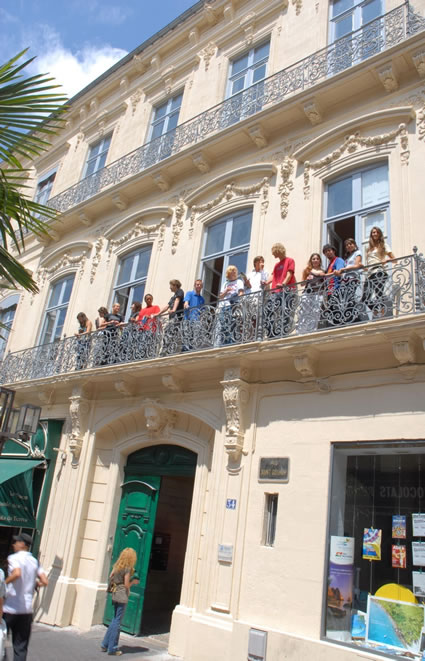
x=135, y=526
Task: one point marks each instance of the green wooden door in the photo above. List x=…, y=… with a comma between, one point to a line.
x=135, y=527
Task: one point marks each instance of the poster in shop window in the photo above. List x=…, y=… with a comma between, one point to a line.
x=399, y=526
x=418, y=525
x=340, y=579
x=418, y=580
x=372, y=538
x=418, y=553
x=398, y=556
x=395, y=624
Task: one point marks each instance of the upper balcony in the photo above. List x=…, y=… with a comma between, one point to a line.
x=323, y=66
x=375, y=302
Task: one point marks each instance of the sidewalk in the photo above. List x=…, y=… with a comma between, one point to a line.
x=68, y=644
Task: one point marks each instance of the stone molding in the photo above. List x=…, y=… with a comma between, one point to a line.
x=207, y=53
x=235, y=400
x=78, y=409
x=97, y=256
x=159, y=420
x=285, y=188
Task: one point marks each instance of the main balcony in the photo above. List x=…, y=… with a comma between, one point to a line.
x=373, y=38
x=313, y=308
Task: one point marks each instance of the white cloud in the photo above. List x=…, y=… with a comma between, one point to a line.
x=113, y=15
x=71, y=70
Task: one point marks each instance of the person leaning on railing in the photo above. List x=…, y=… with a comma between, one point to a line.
x=83, y=342
x=312, y=296
x=174, y=310
x=232, y=289
x=350, y=281
x=280, y=305
x=378, y=253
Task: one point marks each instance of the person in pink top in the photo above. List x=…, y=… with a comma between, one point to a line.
x=280, y=307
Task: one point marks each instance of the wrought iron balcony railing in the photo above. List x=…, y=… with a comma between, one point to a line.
x=364, y=296
x=377, y=36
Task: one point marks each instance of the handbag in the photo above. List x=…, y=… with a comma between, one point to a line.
x=112, y=586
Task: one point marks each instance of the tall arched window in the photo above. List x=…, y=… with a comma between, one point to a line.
x=131, y=279
x=226, y=242
x=7, y=313
x=57, y=307
x=355, y=203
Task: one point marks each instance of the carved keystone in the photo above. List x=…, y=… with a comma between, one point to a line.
x=159, y=420
x=235, y=399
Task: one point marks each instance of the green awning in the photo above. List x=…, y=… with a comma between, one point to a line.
x=16, y=497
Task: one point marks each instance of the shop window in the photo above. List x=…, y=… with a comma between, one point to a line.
x=346, y=16
x=226, y=243
x=244, y=85
x=57, y=307
x=375, y=589
x=7, y=314
x=162, y=129
x=96, y=158
x=354, y=204
x=131, y=279
x=270, y=515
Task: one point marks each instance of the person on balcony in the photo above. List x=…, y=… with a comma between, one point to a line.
x=100, y=321
x=312, y=296
x=193, y=302
x=174, y=309
x=232, y=289
x=378, y=253
x=255, y=280
x=149, y=325
x=136, y=306
x=350, y=281
x=83, y=342
x=332, y=314
x=280, y=305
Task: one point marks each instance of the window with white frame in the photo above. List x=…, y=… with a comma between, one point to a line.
x=226, y=243
x=356, y=202
x=131, y=279
x=350, y=15
x=57, y=307
x=44, y=188
x=97, y=155
x=161, y=132
x=7, y=314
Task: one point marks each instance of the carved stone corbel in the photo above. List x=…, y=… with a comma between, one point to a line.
x=229, y=12
x=78, y=409
x=388, y=78
x=172, y=382
x=44, y=240
x=210, y=14
x=159, y=420
x=84, y=218
x=247, y=24
x=419, y=62
x=201, y=162
x=312, y=112
x=257, y=135
x=305, y=363
x=161, y=180
x=404, y=351
x=126, y=387
x=194, y=36
x=120, y=201
x=139, y=64
x=235, y=399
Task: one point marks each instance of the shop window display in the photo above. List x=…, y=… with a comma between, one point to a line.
x=376, y=554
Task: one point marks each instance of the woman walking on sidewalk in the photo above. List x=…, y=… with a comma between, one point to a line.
x=120, y=582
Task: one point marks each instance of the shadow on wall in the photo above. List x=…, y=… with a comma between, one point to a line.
x=43, y=597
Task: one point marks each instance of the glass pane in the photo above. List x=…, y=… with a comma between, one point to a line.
x=91, y=167
x=60, y=316
x=212, y=277
x=49, y=321
x=261, y=52
x=126, y=266
x=160, y=111
x=55, y=294
x=340, y=197
x=241, y=230
x=176, y=102
x=238, y=85
x=215, y=238
x=239, y=260
x=341, y=5
x=101, y=161
x=172, y=121
x=259, y=73
x=343, y=26
x=375, y=186
x=375, y=219
x=121, y=297
x=158, y=129
x=371, y=10
x=137, y=293
x=66, y=294
x=94, y=150
x=143, y=264
x=240, y=64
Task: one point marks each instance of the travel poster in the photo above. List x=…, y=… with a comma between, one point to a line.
x=399, y=526
x=418, y=581
x=398, y=556
x=418, y=553
x=340, y=578
x=418, y=525
x=394, y=623
x=372, y=543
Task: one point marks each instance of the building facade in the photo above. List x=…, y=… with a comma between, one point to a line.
x=265, y=456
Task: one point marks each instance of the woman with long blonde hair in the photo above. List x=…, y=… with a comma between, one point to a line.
x=377, y=254
x=119, y=584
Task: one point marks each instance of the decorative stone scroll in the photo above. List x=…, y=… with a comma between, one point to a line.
x=78, y=410
x=352, y=143
x=230, y=191
x=298, y=5
x=286, y=172
x=96, y=258
x=421, y=123
x=62, y=263
x=207, y=53
x=235, y=399
x=138, y=229
x=178, y=224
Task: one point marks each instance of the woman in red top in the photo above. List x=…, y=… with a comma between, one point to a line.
x=149, y=325
x=280, y=307
x=147, y=315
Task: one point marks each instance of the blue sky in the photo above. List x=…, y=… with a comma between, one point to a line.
x=77, y=40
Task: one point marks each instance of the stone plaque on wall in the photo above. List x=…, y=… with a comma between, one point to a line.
x=273, y=469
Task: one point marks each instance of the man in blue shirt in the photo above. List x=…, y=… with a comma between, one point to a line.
x=193, y=302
